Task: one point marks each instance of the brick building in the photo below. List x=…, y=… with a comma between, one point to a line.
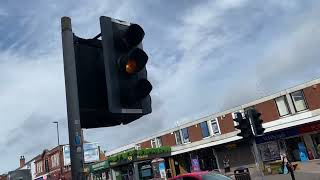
x=50, y=165
x=291, y=119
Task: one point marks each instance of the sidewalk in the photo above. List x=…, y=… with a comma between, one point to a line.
x=309, y=170
x=298, y=176
x=310, y=166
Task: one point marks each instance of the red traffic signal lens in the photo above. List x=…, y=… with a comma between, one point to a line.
x=134, y=35
x=134, y=61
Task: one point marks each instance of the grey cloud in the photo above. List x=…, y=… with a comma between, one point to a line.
x=199, y=51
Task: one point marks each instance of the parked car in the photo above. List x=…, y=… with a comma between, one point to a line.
x=203, y=175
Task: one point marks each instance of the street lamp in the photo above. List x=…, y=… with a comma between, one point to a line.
x=56, y=122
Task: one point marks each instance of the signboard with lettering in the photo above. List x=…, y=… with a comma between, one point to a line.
x=99, y=166
x=273, y=136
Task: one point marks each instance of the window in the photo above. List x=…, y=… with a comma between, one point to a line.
x=178, y=137
x=156, y=142
x=234, y=116
x=39, y=167
x=215, y=127
x=46, y=165
x=55, y=160
x=159, y=142
x=138, y=147
x=153, y=143
x=282, y=105
x=298, y=101
x=204, y=129
x=185, y=135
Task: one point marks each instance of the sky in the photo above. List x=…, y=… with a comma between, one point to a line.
x=204, y=57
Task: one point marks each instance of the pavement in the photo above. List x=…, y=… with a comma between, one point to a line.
x=309, y=170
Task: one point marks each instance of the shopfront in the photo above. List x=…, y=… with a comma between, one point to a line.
x=299, y=143
x=140, y=167
x=99, y=171
x=203, y=160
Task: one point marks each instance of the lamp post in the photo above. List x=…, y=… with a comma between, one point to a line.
x=56, y=122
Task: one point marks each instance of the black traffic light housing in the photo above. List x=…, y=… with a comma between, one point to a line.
x=257, y=122
x=113, y=87
x=243, y=125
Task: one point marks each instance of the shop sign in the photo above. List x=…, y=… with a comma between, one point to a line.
x=277, y=135
x=99, y=166
x=311, y=127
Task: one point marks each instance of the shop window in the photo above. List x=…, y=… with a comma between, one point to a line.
x=178, y=137
x=269, y=151
x=215, y=127
x=299, y=101
x=204, y=129
x=185, y=135
x=282, y=105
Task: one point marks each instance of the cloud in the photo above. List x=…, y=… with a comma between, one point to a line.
x=204, y=57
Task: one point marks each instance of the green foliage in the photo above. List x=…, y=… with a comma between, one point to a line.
x=142, y=152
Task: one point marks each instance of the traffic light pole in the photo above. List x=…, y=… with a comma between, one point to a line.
x=74, y=127
x=254, y=147
x=257, y=158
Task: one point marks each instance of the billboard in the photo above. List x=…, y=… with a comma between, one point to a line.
x=91, y=153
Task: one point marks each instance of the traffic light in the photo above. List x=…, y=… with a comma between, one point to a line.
x=243, y=125
x=257, y=122
x=128, y=88
x=113, y=87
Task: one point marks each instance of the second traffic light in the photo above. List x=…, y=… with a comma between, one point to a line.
x=243, y=125
x=256, y=122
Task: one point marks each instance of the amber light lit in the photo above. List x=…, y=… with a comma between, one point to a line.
x=131, y=66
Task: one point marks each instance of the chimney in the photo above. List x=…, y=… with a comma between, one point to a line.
x=22, y=161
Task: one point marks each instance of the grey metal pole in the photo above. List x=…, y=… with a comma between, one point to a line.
x=74, y=127
x=255, y=151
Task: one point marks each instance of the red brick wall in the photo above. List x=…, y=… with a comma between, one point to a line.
x=226, y=124
x=312, y=95
x=168, y=140
x=194, y=133
x=269, y=110
x=146, y=144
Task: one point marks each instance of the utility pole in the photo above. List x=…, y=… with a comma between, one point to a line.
x=74, y=126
